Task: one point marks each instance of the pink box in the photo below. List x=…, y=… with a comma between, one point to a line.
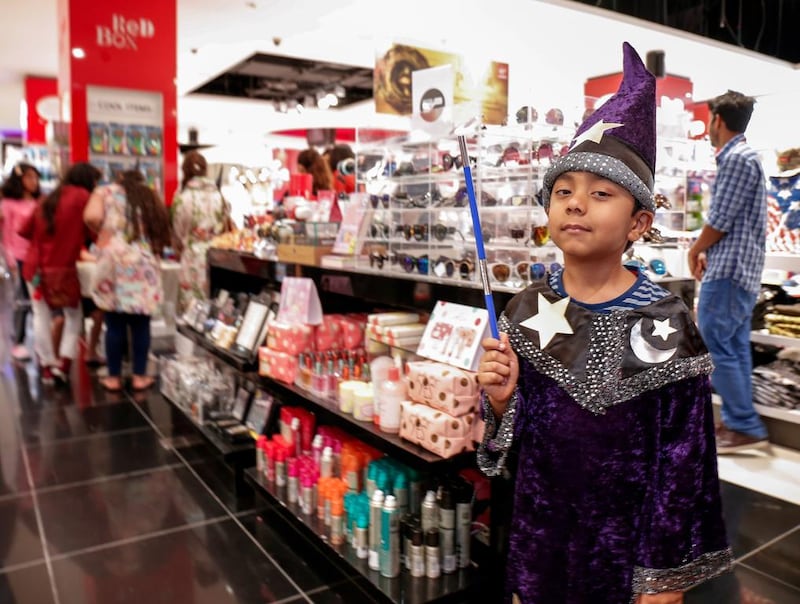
x=443, y=387
x=278, y=365
x=327, y=335
x=351, y=329
x=436, y=431
x=289, y=338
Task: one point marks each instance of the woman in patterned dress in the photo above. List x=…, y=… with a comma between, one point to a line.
x=199, y=213
x=133, y=229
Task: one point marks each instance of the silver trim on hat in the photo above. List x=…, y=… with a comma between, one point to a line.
x=603, y=165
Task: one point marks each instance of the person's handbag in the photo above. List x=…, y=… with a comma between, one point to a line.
x=60, y=286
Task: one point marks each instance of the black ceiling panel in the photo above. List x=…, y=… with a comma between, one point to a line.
x=290, y=80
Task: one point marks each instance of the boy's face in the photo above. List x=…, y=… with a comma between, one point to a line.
x=592, y=217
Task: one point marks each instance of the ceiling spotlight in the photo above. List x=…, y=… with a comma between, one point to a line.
x=332, y=99
x=323, y=102
x=299, y=107
x=283, y=107
x=78, y=53
x=339, y=91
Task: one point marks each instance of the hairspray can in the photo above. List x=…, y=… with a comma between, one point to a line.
x=447, y=530
x=432, y=567
x=416, y=554
x=375, y=511
x=430, y=512
x=464, y=497
x=390, y=538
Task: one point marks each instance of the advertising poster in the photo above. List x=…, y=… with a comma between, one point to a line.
x=483, y=85
x=126, y=133
x=432, y=100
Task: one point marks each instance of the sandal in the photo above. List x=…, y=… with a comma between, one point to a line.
x=141, y=383
x=111, y=384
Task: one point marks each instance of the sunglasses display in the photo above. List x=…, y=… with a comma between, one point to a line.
x=409, y=263
x=448, y=267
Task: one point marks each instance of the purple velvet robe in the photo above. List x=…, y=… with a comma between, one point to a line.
x=616, y=488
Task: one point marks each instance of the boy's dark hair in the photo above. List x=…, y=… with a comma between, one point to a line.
x=734, y=108
x=144, y=209
x=12, y=187
x=81, y=174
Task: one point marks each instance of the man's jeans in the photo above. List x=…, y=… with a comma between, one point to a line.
x=724, y=315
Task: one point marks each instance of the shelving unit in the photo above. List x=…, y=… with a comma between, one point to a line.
x=456, y=587
x=764, y=337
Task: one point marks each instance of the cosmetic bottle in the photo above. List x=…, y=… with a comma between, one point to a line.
x=362, y=535
x=307, y=502
x=464, y=498
x=296, y=440
x=326, y=463
x=261, y=465
x=316, y=449
x=430, y=513
x=416, y=554
x=280, y=467
x=292, y=480
x=337, y=521
x=432, y=567
x=389, y=559
x=392, y=393
x=447, y=530
x=375, y=511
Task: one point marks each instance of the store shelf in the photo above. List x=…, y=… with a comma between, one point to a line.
x=787, y=415
x=406, y=589
x=327, y=411
x=764, y=337
x=782, y=261
x=237, y=362
x=240, y=454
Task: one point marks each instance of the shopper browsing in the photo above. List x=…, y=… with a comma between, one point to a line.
x=199, y=213
x=600, y=380
x=133, y=229
x=57, y=234
x=21, y=193
x=728, y=257
x=311, y=162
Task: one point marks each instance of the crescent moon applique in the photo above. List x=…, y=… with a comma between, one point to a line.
x=645, y=351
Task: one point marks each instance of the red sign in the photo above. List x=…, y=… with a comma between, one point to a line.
x=119, y=44
x=37, y=89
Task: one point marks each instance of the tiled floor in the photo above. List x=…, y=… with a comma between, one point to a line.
x=101, y=502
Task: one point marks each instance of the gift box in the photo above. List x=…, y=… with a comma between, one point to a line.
x=351, y=330
x=392, y=318
x=327, y=335
x=278, y=365
x=436, y=431
x=290, y=338
x=443, y=387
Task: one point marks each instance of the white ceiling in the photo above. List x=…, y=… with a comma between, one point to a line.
x=552, y=46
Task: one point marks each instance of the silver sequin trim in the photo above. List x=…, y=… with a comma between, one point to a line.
x=603, y=385
x=703, y=568
x=493, y=450
x=606, y=166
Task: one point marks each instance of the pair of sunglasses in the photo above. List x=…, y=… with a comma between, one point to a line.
x=449, y=267
x=419, y=232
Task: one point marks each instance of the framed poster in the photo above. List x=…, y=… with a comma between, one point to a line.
x=251, y=328
x=242, y=400
x=126, y=133
x=261, y=409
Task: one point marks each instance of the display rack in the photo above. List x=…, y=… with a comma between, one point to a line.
x=455, y=587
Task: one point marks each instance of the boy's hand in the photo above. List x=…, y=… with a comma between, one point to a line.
x=498, y=372
x=667, y=597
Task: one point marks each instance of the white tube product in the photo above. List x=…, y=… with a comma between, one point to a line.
x=375, y=511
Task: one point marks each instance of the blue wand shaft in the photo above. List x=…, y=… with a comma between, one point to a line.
x=476, y=228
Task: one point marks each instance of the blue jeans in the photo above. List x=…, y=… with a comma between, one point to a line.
x=117, y=325
x=724, y=315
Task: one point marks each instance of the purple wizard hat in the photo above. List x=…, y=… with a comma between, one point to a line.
x=618, y=141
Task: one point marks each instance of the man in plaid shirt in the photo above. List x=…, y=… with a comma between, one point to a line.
x=728, y=257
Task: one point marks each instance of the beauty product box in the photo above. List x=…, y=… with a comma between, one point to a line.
x=278, y=365
x=435, y=430
x=290, y=338
x=443, y=387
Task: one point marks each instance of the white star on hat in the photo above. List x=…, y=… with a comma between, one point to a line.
x=662, y=329
x=550, y=320
x=595, y=133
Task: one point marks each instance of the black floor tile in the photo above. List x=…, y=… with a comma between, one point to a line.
x=19, y=534
x=13, y=476
x=743, y=585
x=71, y=421
x=343, y=592
x=168, y=419
x=309, y=567
x=108, y=454
x=211, y=564
x=26, y=586
x=754, y=519
x=780, y=560
x=125, y=507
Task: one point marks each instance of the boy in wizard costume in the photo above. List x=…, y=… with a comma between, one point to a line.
x=600, y=380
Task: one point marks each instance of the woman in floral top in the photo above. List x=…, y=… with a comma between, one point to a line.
x=199, y=213
x=133, y=229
